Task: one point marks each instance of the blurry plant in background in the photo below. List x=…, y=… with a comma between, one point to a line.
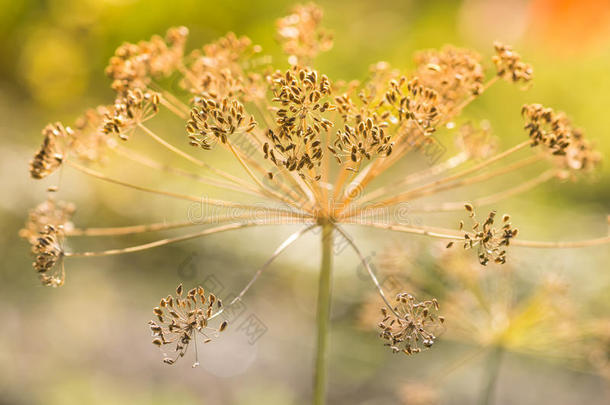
x=316, y=151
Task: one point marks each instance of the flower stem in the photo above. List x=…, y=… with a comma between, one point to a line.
x=324, y=299
x=491, y=375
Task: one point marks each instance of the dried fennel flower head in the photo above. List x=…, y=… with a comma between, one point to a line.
x=410, y=326
x=489, y=241
x=213, y=121
x=510, y=66
x=51, y=153
x=49, y=252
x=455, y=74
x=130, y=109
x=181, y=318
x=553, y=130
x=135, y=65
x=58, y=214
x=89, y=142
x=476, y=141
x=301, y=36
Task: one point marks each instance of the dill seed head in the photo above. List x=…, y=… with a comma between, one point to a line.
x=301, y=36
x=489, y=241
x=180, y=318
x=51, y=153
x=411, y=326
x=509, y=65
x=49, y=253
x=130, y=109
x=57, y=214
x=133, y=66
x=213, y=121
x=454, y=73
x=554, y=131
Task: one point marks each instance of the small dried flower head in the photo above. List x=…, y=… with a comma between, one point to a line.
x=510, y=66
x=411, y=326
x=554, y=131
x=301, y=36
x=454, y=73
x=213, y=121
x=129, y=110
x=49, y=252
x=489, y=241
x=58, y=214
x=134, y=65
x=365, y=139
x=217, y=70
x=180, y=318
x=52, y=152
x=414, y=102
x=303, y=97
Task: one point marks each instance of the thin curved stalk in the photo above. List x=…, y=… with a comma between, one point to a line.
x=367, y=266
x=163, y=242
x=208, y=201
x=491, y=375
x=161, y=226
x=490, y=199
x=145, y=161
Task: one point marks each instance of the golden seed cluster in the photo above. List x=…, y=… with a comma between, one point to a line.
x=180, y=318
x=411, y=325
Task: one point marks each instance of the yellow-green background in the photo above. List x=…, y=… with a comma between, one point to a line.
x=88, y=341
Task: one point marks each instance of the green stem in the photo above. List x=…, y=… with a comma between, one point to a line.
x=324, y=298
x=491, y=377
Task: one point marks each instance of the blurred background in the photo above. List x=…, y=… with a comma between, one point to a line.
x=88, y=342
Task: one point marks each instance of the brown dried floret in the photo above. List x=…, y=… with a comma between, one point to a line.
x=213, y=121
x=301, y=36
x=415, y=103
x=411, y=326
x=303, y=97
x=510, y=66
x=456, y=74
x=490, y=242
x=129, y=110
x=49, y=253
x=133, y=66
x=52, y=152
x=554, y=130
x=217, y=70
x=365, y=139
x=58, y=214
x=180, y=318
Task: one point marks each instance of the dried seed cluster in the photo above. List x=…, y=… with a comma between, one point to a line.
x=301, y=35
x=365, y=139
x=296, y=143
x=510, y=66
x=129, y=110
x=490, y=242
x=49, y=253
x=213, y=121
x=57, y=214
x=554, y=131
x=180, y=318
x=51, y=153
x=89, y=142
x=217, y=70
x=454, y=73
x=411, y=326
x=414, y=102
x=133, y=66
